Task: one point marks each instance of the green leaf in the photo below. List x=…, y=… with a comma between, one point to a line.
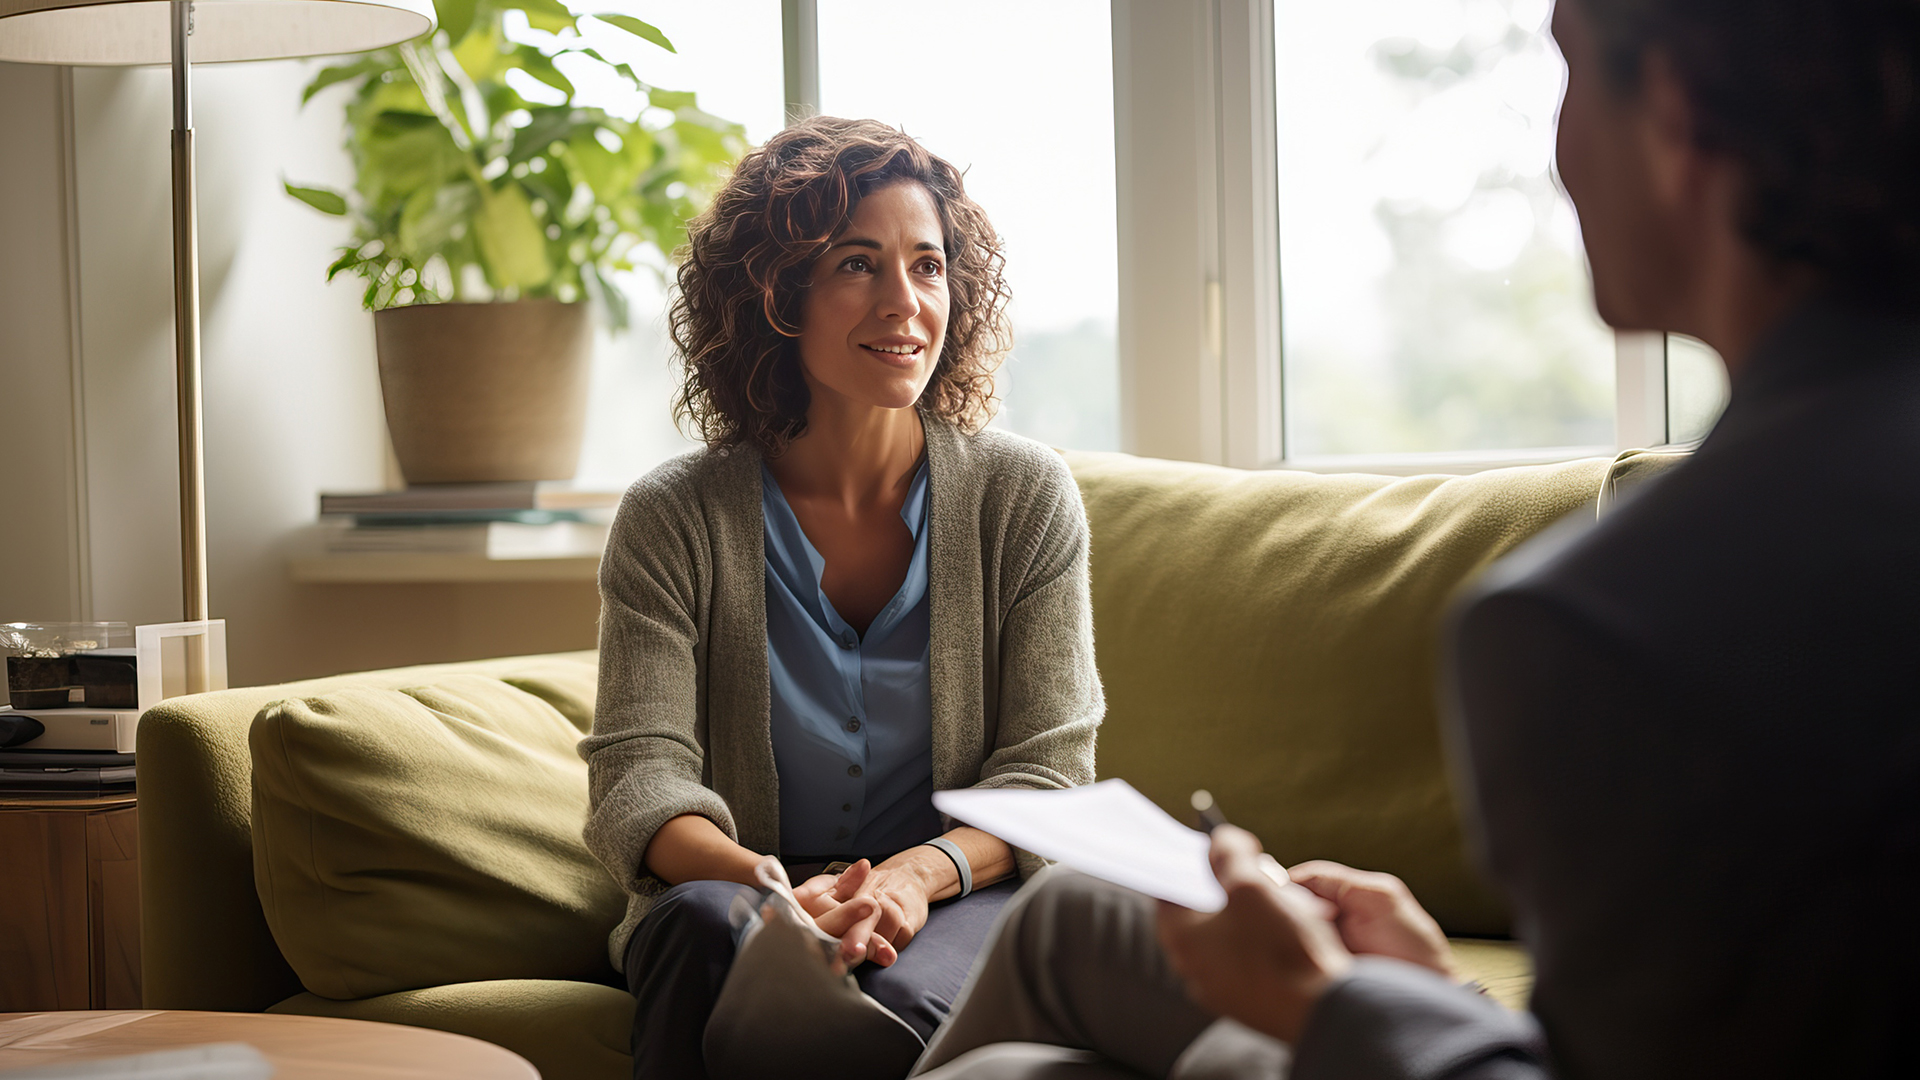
x=456, y=17
x=638, y=29
x=540, y=66
x=549, y=15
x=404, y=152
x=399, y=96
x=512, y=245
x=549, y=124
x=427, y=223
x=552, y=184
x=624, y=70
x=598, y=166
x=482, y=55
x=327, y=202
x=349, y=258
x=619, y=313
x=670, y=99
x=340, y=73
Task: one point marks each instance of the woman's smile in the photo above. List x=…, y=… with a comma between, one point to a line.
x=901, y=352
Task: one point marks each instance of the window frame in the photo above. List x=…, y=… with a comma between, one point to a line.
x=1202, y=367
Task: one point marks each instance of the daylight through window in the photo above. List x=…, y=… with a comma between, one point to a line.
x=1028, y=115
x=1434, y=298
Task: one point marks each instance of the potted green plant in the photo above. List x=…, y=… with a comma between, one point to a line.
x=489, y=208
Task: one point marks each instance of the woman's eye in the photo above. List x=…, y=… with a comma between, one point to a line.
x=858, y=264
x=932, y=268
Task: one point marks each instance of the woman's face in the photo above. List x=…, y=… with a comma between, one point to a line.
x=875, y=311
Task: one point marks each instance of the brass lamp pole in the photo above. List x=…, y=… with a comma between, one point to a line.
x=186, y=324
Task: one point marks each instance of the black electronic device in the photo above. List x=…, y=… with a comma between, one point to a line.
x=16, y=729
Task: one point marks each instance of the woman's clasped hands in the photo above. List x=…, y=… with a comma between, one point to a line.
x=873, y=910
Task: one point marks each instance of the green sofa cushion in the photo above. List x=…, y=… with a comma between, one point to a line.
x=568, y=1030
x=410, y=838
x=1274, y=637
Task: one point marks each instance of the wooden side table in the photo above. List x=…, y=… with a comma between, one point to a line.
x=300, y=1047
x=69, y=902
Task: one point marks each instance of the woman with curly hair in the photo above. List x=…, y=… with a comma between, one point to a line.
x=852, y=597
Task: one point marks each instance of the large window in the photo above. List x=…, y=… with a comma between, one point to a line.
x=1432, y=301
x=1019, y=95
x=1433, y=292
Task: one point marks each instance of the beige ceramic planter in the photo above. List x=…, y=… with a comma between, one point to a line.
x=485, y=392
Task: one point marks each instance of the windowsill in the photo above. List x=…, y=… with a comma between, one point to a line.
x=411, y=567
x=1443, y=462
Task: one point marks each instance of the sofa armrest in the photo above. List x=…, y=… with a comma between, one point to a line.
x=204, y=940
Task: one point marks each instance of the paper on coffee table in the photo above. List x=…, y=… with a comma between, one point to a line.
x=1107, y=829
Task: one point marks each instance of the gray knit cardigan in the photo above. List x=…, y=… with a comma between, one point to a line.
x=682, y=723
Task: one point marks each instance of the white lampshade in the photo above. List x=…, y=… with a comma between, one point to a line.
x=92, y=32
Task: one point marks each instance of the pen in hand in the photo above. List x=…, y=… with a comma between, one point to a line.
x=1211, y=818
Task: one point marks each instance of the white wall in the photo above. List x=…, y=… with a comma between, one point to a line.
x=42, y=539
x=292, y=396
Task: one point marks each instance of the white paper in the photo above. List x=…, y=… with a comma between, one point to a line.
x=1107, y=829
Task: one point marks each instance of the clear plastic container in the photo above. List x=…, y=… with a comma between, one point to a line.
x=70, y=665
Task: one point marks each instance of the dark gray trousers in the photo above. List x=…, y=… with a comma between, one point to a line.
x=1074, y=986
x=678, y=957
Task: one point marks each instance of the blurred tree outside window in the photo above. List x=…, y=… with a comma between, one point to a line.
x=1019, y=96
x=1434, y=296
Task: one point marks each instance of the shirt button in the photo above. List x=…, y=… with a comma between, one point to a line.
x=841, y=834
x=853, y=770
x=849, y=641
x=847, y=807
x=853, y=723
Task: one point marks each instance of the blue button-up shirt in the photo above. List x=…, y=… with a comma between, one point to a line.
x=852, y=716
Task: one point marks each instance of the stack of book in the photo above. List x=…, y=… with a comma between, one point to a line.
x=497, y=521
x=75, y=772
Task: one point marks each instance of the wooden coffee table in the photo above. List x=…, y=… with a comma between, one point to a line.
x=300, y=1047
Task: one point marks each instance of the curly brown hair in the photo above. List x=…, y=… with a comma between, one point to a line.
x=735, y=315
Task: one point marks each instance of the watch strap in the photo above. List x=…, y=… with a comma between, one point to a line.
x=952, y=851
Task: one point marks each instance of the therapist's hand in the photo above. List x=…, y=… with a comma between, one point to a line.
x=1266, y=957
x=1376, y=914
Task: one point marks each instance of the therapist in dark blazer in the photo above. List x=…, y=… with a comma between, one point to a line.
x=1689, y=734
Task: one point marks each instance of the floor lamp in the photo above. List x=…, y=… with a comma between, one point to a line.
x=128, y=32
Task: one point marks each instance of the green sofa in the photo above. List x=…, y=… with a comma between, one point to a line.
x=1270, y=636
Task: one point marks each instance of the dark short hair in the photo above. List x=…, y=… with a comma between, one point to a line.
x=1818, y=102
x=743, y=272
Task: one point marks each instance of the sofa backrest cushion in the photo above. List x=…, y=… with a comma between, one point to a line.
x=427, y=835
x=1274, y=638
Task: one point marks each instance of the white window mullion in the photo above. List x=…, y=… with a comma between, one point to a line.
x=1249, y=237
x=1640, y=390
x=800, y=35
